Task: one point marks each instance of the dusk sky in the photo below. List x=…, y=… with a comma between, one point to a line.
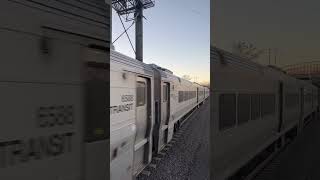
x=290, y=26
x=176, y=37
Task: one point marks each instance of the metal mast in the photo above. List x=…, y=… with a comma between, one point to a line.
x=133, y=11
x=139, y=32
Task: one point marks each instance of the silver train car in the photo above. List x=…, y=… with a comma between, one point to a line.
x=256, y=111
x=147, y=106
x=54, y=62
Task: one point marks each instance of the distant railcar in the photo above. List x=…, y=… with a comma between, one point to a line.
x=256, y=110
x=147, y=106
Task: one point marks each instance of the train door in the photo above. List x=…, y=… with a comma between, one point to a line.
x=204, y=94
x=301, y=108
x=165, y=110
x=197, y=95
x=97, y=117
x=142, y=125
x=280, y=105
x=165, y=102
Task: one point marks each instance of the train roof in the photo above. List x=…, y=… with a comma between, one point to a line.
x=120, y=58
x=271, y=71
x=169, y=74
x=223, y=57
x=163, y=71
x=135, y=65
x=161, y=68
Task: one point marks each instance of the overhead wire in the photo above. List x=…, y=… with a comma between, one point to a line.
x=127, y=34
x=123, y=32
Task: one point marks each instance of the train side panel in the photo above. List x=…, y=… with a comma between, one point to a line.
x=43, y=85
x=122, y=123
x=254, y=108
x=131, y=115
x=241, y=120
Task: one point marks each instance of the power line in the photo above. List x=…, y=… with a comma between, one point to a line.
x=123, y=32
x=126, y=33
x=128, y=8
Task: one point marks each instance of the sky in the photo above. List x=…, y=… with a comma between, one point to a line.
x=176, y=37
x=289, y=27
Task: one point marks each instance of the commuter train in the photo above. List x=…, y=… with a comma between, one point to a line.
x=147, y=106
x=256, y=110
x=54, y=89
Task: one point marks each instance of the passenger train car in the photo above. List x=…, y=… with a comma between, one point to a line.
x=147, y=106
x=54, y=89
x=256, y=111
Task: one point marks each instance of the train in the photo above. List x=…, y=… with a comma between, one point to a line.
x=54, y=89
x=147, y=106
x=256, y=111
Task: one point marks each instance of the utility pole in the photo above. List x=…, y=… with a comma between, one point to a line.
x=139, y=31
x=133, y=11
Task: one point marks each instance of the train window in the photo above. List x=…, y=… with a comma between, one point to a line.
x=255, y=106
x=288, y=99
x=165, y=93
x=141, y=93
x=186, y=95
x=296, y=102
x=227, y=111
x=273, y=103
x=264, y=105
x=180, y=98
x=308, y=98
x=267, y=104
x=292, y=100
x=97, y=118
x=243, y=108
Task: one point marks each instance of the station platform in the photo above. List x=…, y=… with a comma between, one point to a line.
x=299, y=160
